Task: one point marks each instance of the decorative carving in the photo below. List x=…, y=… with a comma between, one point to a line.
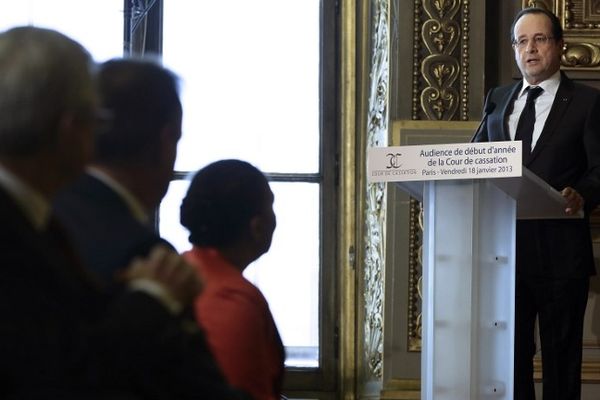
x=373, y=279
x=579, y=15
x=581, y=55
x=441, y=34
x=439, y=104
x=415, y=274
x=539, y=3
x=377, y=128
x=464, y=60
x=440, y=38
x=440, y=71
x=439, y=100
x=441, y=9
x=416, y=59
x=581, y=24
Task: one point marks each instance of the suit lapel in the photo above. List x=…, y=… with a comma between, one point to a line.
x=563, y=97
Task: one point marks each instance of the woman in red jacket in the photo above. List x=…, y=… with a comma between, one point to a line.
x=228, y=210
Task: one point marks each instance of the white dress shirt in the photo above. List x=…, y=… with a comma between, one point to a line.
x=135, y=206
x=542, y=107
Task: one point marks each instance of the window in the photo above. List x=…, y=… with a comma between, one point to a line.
x=258, y=84
x=73, y=19
x=253, y=95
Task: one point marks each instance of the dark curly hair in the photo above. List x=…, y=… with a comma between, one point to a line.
x=222, y=199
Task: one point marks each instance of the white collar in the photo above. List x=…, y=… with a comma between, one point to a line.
x=549, y=85
x=135, y=206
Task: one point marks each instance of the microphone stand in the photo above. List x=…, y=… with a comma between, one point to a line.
x=489, y=108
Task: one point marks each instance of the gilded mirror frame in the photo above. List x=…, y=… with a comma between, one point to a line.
x=581, y=25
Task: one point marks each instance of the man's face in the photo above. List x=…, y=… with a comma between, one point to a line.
x=537, y=60
x=168, y=152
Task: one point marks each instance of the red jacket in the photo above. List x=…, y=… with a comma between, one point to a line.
x=239, y=326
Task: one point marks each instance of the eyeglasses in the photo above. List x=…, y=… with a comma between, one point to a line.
x=539, y=41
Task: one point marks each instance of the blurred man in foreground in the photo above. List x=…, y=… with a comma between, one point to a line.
x=62, y=337
x=107, y=212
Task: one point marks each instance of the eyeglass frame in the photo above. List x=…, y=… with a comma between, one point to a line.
x=538, y=40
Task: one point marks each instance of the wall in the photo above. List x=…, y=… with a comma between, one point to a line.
x=479, y=57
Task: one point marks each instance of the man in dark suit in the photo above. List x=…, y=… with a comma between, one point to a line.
x=107, y=211
x=558, y=122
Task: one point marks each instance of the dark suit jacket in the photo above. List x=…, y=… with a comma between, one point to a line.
x=54, y=321
x=566, y=154
x=169, y=358
x=105, y=233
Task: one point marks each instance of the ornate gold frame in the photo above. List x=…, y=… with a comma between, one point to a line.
x=581, y=24
x=441, y=55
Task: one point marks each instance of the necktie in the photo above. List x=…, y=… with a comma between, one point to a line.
x=527, y=121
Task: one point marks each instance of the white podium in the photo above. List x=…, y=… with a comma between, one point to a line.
x=472, y=194
x=469, y=280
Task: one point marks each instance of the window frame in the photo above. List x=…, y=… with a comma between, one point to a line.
x=147, y=39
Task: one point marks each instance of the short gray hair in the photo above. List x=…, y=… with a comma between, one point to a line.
x=43, y=75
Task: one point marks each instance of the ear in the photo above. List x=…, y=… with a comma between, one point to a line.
x=169, y=133
x=257, y=228
x=73, y=146
x=260, y=234
x=168, y=139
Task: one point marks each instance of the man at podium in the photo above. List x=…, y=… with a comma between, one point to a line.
x=558, y=122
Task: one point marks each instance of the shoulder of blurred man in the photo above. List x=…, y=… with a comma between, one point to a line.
x=104, y=230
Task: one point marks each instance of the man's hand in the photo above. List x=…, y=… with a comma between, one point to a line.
x=165, y=268
x=574, y=200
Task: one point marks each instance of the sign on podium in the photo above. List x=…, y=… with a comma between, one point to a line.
x=472, y=195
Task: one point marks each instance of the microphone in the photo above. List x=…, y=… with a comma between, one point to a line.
x=489, y=108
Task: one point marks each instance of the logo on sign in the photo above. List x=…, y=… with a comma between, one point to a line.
x=394, y=160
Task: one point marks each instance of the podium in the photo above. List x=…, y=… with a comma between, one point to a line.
x=469, y=280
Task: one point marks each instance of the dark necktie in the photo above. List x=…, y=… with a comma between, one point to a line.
x=527, y=121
